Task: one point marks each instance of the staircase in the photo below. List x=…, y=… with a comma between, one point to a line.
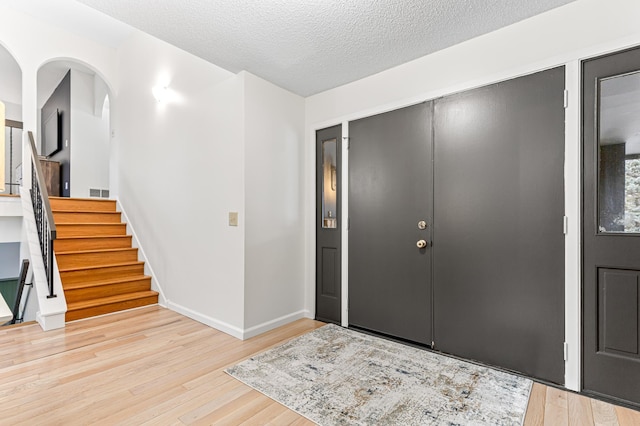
x=99, y=269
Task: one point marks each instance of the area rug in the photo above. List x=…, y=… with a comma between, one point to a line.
x=336, y=376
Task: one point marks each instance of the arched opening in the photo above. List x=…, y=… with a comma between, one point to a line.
x=10, y=166
x=74, y=128
x=11, y=97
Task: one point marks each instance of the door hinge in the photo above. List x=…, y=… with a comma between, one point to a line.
x=346, y=139
x=433, y=344
x=565, y=225
x=566, y=98
x=566, y=351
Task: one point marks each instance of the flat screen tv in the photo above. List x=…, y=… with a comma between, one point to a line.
x=51, y=140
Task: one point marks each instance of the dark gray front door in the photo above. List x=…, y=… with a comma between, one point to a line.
x=390, y=192
x=498, y=224
x=328, y=222
x=611, y=226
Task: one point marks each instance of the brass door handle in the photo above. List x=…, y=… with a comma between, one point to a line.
x=421, y=244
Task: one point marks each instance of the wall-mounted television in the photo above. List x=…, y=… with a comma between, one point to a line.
x=51, y=134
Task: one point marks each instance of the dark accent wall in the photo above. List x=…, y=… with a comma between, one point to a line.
x=61, y=99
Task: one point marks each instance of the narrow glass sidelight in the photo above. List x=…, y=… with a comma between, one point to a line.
x=619, y=154
x=329, y=183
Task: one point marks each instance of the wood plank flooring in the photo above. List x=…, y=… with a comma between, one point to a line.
x=153, y=366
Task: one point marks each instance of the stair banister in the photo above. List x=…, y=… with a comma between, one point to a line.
x=43, y=215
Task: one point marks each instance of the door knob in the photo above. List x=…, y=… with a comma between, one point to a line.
x=422, y=225
x=421, y=244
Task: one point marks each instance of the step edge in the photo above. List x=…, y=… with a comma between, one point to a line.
x=102, y=200
x=90, y=224
x=84, y=211
x=84, y=237
x=110, y=265
x=100, y=283
x=110, y=250
x=76, y=306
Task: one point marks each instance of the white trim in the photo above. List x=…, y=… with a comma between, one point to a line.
x=148, y=269
x=204, y=319
x=274, y=323
x=51, y=312
x=572, y=178
x=344, y=249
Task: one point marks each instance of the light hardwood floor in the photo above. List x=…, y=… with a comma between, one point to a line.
x=154, y=366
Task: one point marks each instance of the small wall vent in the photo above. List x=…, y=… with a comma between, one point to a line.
x=98, y=193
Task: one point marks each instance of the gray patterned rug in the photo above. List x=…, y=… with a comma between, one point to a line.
x=335, y=376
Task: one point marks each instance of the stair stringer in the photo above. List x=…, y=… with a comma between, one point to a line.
x=148, y=269
x=51, y=312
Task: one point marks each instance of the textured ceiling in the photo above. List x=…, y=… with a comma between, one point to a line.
x=308, y=46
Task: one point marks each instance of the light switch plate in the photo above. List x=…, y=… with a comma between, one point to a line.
x=233, y=218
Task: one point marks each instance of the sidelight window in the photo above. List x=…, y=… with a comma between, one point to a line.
x=329, y=183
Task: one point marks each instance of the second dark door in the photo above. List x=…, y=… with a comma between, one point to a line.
x=390, y=211
x=498, y=233
x=611, y=226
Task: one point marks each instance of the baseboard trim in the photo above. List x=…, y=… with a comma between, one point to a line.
x=275, y=323
x=204, y=319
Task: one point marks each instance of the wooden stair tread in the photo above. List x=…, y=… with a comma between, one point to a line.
x=90, y=224
x=103, y=200
x=110, y=300
x=111, y=250
x=110, y=265
x=80, y=237
x=59, y=210
x=111, y=281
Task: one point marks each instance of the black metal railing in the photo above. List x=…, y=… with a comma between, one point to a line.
x=44, y=216
x=17, y=318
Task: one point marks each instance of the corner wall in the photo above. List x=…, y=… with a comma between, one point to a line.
x=180, y=171
x=274, y=203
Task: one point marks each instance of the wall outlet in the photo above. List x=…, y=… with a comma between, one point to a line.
x=233, y=218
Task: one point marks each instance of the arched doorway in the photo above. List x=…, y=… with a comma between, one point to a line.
x=11, y=97
x=10, y=167
x=75, y=96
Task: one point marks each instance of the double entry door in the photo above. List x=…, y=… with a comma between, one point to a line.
x=456, y=224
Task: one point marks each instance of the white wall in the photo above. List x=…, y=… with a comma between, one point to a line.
x=89, y=135
x=10, y=220
x=12, y=111
x=274, y=220
x=180, y=171
x=12, y=146
x=9, y=260
x=561, y=36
